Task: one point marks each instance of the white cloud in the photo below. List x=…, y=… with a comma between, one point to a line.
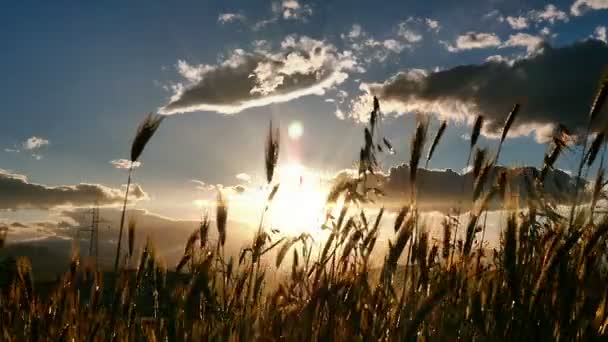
x=528, y=41
x=190, y=72
x=206, y=187
x=370, y=49
x=124, y=163
x=225, y=18
x=473, y=40
x=393, y=45
x=355, y=32
x=499, y=59
x=600, y=33
x=579, y=7
x=285, y=10
x=11, y=150
x=492, y=14
x=292, y=9
x=263, y=23
x=549, y=14
x=34, y=143
x=433, y=24
x=301, y=66
x=517, y=23
x=407, y=34
x=243, y=177
x=202, y=186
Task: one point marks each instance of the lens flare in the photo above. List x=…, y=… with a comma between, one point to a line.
x=295, y=130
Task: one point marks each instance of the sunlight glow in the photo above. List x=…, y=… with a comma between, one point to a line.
x=295, y=130
x=299, y=206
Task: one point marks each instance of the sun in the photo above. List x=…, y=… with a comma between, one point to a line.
x=299, y=206
x=295, y=130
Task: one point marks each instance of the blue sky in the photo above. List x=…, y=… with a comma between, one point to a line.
x=81, y=76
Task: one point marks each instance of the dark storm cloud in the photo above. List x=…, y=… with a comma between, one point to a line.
x=442, y=190
x=16, y=192
x=553, y=85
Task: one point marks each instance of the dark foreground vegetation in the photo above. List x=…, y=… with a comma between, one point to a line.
x=544, y=281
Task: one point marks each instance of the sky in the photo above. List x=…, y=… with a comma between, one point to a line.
x=78, y=77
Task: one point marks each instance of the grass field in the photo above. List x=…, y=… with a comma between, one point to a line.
x=544, y=281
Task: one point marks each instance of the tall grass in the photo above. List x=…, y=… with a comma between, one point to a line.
x=145, y=131
x=545, y=280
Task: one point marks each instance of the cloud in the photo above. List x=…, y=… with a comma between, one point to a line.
x=442, y=190
x=530, y=42
x=432, y=24
x=547, y=97
x=549, y=14
x=202, y=186
x=243, y=177
x=124, y=163
x=517, y=23
x=285, y=10
x=393, y=45
x=369, y=49
x=499, y=59
x=600, y=34
x=579, y=7
x=473, y=40
x=302, y=66
x=263, y=23
x=50, y=250
x=292, y=9
x=206, y=187
x=408, y=34
x=34, y=143
x=16, y=192
x=355, y=32
x=225, y=18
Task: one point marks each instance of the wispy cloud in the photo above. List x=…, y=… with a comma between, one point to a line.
x=292, y=10
x=408, y=34
x=34, y=143
x=517, y=23
x=371, y=49
x=432, y=24
x=579, y=7
x=124, y=163
x=237, y=189
x=473, y=40
x=225, y=18
x=549, y=14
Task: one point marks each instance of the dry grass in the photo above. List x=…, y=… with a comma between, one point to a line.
x=544, y=281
